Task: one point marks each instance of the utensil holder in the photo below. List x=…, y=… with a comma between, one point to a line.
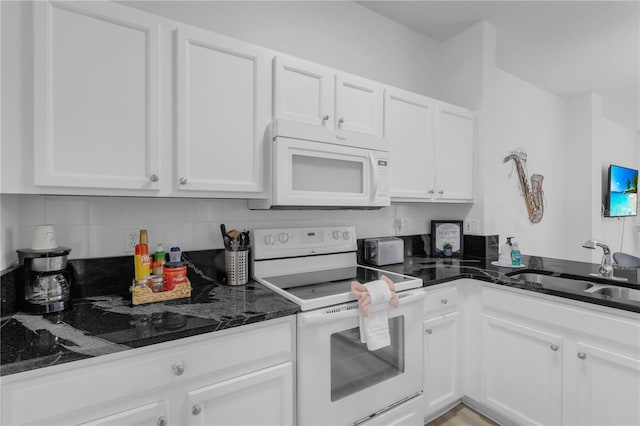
x=237, y=265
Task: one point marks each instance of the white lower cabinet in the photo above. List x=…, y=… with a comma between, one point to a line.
x=214, y=379
x=522, y=371
x=551, y=362
x=607, y=388
x=261, y=397
x=442, y=368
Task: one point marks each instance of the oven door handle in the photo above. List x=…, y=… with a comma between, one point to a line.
x=324, y=316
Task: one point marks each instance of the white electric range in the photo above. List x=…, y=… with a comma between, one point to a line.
x=340, y=381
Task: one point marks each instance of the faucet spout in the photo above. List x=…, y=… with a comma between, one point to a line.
x=606, y=267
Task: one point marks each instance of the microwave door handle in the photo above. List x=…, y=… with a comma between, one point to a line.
x=374, y=168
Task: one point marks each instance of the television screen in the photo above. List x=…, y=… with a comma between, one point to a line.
x=622, y=194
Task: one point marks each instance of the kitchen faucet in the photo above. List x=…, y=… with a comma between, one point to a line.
x=606, y=268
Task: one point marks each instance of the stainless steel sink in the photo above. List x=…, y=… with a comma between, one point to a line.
x=577, y=286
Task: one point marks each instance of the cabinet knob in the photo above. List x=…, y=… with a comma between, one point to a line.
x=441, y=192
x=177, y=369
x=325, y=118
x=582, y=355
x=153, y=178
x=554, y=347
x=428, y=331
x=340, y=121
x=182, y=180
x=162, y=421
x=196, y=409
x=431, y=191
x=444, y=301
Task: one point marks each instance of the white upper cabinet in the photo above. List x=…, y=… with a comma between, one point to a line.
x=409, y=127
x=96, y=76
x=222, y=107
x=304, y=92
x=454, y=154
x=432, y=155
x=313, y=94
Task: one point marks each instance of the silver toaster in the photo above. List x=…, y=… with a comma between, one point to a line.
x=383, y=251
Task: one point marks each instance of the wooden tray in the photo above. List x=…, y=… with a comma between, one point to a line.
x=144, y=295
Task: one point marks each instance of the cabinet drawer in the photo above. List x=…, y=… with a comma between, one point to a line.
x=440, y=299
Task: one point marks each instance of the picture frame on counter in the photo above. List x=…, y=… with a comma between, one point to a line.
x=447, y=238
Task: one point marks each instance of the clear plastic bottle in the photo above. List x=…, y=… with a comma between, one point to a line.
x=515, y=254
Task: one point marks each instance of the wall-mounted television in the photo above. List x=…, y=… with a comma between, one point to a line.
x=622, y=192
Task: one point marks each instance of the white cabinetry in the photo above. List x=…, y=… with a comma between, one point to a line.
x=215, y=379
x=96, y=76
x=441, y=350
x=313, y=94
x=521, y=371
x=454, y=154
x=222, y=107
x=409, y=121
x=432, y=149
x=547, y=362
x=607, y=387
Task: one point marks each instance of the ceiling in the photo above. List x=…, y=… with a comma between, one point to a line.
x=564, y=47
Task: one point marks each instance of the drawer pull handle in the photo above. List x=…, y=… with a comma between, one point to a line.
x=582, y=355
x=177, y=369
x=196, y=409
x=428, y=331
x=444, y=301
x=554, y=347
x=162, y=421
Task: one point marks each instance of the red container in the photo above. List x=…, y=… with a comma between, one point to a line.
x=174, y=275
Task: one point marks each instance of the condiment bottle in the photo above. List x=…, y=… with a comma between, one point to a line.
x=175, y=255
x=159, y=255
x=145, y=259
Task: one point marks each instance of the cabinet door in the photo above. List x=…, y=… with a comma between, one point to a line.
x=521, y=371
x=96, y=69
x=608, y=387
x=222, y=113
x=303, y=92
x=441, y=367
x=359, y=105
x=152, y=414
x=409, y=128
x=264, y=397
x=454, y=154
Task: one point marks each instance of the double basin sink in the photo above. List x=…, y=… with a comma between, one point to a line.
x=595, y=290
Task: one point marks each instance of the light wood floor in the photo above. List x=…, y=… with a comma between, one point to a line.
x=461, y=415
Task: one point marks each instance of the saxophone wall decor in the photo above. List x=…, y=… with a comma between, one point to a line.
x=533, y=194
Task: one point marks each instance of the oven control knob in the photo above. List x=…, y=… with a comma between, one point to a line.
x=283, y=237
x=345, y=235
x=336, y=235
x=269, y=240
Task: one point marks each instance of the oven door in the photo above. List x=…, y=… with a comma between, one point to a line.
x=322, y=174
x=340, y=381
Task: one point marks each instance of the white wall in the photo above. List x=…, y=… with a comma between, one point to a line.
x=617, y=145
x=532, y=119
x=339, y=34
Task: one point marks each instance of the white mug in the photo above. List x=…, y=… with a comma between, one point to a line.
x=44, y=238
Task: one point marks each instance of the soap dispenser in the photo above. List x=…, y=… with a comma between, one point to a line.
x=505, y=253
x=515, y=254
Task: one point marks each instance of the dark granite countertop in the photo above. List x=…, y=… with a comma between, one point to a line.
x=439, y=270
x=99, y=324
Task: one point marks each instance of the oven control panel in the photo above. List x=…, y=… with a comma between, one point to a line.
x=293, y=242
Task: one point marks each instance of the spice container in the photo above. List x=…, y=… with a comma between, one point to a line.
x=174, y=273
x=157, y=284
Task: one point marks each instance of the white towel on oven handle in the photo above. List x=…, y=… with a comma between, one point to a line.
x=374, y=329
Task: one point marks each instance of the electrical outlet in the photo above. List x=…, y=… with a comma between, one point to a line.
x=472, y=226
x=131, y=238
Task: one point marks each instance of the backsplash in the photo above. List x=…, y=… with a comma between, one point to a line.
x=94, y=227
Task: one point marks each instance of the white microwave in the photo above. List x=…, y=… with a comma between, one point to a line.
x=314, y=167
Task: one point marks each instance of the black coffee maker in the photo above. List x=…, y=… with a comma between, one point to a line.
x=46, y=283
